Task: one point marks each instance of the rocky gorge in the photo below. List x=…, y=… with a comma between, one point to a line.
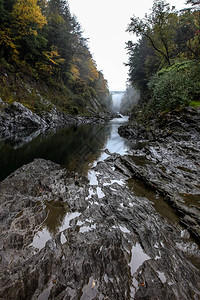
x=172, y=157
x=15, y=118
x=100, y=236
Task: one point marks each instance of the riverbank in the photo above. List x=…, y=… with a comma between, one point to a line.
x=16, y=117
x=108, y=234
x=81, y=238
x=170, y=150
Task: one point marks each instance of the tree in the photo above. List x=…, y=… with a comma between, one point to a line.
x=21, y=25
x=6, y=41
x=57, y=7
x=2, y=12
x=188, y=34
x=159, y=28
x=27, y=17
x=143, y=63
x=195, y=3
x=43, y=38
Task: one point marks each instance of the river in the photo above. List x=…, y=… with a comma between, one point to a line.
x=76, y=147
x=95, y=235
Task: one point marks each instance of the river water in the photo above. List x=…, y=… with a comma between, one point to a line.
x=76, y=148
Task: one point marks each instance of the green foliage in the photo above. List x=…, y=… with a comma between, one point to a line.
x=41, y=40
x=159, y=28
x=164, y=63
x=195, y=103
x=175, y=86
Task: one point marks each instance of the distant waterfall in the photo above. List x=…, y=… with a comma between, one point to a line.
x=116, y=99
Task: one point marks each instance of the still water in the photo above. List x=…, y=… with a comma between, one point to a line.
x=76, y=148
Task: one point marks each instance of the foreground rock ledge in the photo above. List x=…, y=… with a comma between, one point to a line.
x=115, y=245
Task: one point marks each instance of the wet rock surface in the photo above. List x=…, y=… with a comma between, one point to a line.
x=170, y=162
x=175, y=125
x=16, y=117
x=106, y=242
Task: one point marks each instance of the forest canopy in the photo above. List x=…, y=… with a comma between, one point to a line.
x=164, y=63
x=42, y=39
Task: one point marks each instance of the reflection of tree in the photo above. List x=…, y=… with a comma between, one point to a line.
x=90, y=147
x=61, y=147
x=57, y=212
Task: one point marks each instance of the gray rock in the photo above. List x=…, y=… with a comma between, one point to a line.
x=173, y=154
x=17, y=117
x=106, y=243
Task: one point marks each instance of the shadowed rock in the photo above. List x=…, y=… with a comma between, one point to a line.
x=106, y=243
x=172, y=161
x=16, y=117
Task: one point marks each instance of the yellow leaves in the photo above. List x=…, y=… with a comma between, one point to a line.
x=84, y=68
x=32, y=32
x=54, y=57
x=27, y=14
x=25, y=20
x=75, y=72
x=5, y=37
x=43, y=68
x=92, y=71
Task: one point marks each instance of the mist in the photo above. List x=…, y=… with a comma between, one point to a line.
x=116, y=100
x=129, y=98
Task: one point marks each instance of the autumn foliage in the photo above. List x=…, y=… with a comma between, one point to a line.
x=43, y=37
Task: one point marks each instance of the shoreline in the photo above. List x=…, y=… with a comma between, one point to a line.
x=69, y=235
x=104, y=232
x=16, y=117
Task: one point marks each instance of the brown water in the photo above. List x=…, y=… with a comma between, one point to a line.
x=161, y=206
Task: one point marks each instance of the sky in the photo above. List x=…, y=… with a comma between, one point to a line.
x=105, y=22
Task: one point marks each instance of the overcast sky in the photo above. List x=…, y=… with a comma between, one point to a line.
x=104, y=22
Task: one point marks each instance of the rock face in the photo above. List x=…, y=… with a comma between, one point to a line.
x=172, y=161
x=177, y=125
x=105, y=243
x=16, y=117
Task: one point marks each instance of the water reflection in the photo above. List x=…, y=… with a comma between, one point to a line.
x=160, y=205
x=50, y=228
x=73, y=147
x=56, y=216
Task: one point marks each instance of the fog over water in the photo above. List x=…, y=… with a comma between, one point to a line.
x=117, y=98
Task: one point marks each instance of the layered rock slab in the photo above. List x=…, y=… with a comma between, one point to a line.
x=171, y=153
x=114, y=246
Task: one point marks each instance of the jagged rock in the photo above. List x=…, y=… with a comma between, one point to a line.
x=17, y=117
x=178, y=125
x=106, y=243
x=173, y=158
